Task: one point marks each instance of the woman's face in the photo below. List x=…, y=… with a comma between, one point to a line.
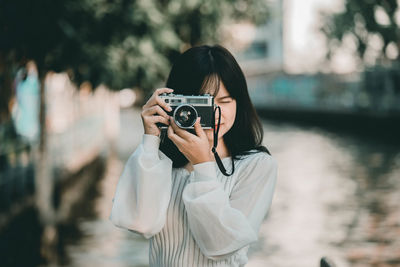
x=228, y=112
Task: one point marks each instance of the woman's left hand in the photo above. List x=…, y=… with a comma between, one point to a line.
x=196, y=148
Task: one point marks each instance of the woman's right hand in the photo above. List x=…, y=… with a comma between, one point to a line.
x=153, y=112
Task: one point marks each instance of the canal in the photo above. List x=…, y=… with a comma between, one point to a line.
x=337, y=196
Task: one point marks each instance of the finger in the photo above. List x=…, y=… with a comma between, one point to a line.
x=198, y=129
x=174, y=137
x=162, y=103
x=155, y=119
x=150, y=102
x=160, y=91
x=153, y=99
x=155, y=110
x=179, y=131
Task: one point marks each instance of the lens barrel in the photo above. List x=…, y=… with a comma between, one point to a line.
x=185, y=116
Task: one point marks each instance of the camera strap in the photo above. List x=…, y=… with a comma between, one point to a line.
x=214, y=148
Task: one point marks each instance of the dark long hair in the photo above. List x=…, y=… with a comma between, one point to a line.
x=201, y=68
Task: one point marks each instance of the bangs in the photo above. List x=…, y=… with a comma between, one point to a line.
x=210, y=84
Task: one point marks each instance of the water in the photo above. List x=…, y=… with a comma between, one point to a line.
x=337, y=196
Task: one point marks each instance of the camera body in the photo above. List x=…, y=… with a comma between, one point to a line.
x=187, y=108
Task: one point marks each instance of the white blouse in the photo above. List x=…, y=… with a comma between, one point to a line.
x=198, y=218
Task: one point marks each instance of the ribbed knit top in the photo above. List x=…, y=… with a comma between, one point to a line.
x=198, y=218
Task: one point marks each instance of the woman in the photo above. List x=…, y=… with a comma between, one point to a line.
x=174, y=193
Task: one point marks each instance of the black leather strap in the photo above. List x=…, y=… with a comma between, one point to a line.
x=214, y=148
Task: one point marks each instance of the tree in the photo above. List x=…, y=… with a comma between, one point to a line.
x=369, y=23
x=119, y=43
x=122, y=43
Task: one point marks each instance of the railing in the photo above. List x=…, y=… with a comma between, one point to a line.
x=350, y=93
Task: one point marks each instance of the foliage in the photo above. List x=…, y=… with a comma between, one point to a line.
x=371, y=24
x=122, y=43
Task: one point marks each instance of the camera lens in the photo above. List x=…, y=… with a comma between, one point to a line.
x=185, y=116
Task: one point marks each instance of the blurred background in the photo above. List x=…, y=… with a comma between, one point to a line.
x=323, y=75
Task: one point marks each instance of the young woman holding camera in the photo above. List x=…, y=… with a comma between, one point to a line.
x=173, y=192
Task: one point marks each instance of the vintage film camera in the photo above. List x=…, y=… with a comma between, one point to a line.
x=187, y=108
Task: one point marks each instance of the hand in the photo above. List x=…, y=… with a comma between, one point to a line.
x=153, y=112
x=195, y=148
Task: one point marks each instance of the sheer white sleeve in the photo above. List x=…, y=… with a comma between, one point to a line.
x=221, y=223
x=143, y=191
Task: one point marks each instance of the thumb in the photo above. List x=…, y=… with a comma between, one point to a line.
x=199, y=130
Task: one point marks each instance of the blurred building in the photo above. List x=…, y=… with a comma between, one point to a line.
x=285, y=64
x=260, y=50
